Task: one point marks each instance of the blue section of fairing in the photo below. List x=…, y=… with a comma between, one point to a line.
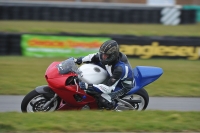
x=144, y=75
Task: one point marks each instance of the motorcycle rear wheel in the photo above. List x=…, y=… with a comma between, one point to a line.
x=140, y=95
x=33, y=102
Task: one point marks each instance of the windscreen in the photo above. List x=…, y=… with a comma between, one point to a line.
x=67, y=66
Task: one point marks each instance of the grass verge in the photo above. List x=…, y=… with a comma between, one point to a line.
x=98, y=121
x=100, y=28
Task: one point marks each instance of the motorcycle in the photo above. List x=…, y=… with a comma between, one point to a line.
x=64, y=93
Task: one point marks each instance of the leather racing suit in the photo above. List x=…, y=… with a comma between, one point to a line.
x=120, y=79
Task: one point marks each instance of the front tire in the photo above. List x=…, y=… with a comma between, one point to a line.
x=34, y=101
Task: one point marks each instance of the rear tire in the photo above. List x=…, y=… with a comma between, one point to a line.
x=33, y=102
x=139, y=95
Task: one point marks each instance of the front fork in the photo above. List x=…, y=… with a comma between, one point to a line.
x=49, y=102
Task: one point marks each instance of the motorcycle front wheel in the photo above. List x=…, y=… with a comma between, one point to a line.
x=34, y=102
x=142, y=96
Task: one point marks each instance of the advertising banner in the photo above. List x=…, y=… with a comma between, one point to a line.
x=157, y=50
x=60, y=46
x=160, y=47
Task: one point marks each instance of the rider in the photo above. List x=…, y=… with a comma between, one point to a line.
x=116, y=64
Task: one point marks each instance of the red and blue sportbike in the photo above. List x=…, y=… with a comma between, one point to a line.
x=63, y=92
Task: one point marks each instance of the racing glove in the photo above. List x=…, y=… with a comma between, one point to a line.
x=78, y=60
x=85, y=86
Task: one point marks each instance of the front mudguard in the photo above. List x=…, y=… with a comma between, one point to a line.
x=46, y=91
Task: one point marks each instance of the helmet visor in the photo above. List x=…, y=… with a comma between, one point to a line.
x=103, y=56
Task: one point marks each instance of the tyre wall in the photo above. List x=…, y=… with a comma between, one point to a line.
x=108, y=13
x=133, y=46
x=10, y=44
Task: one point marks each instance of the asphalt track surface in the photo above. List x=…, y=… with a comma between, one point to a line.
x=11, y=103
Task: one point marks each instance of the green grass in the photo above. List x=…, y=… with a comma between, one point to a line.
x=20, y=75
x=98, y=121
x=100, y=28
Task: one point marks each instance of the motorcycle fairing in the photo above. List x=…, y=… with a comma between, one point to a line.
x=144, y=75
x=58, y=83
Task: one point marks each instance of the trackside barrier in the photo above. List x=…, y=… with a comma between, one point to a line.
x=109, y=13
x=10, y=44
x=194, y=7
x=67, y=44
